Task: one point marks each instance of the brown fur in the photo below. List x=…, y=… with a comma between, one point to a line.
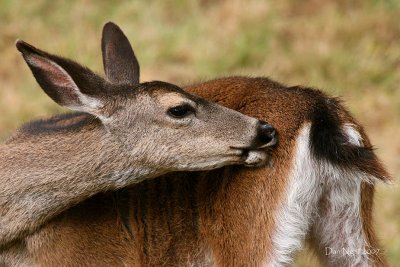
x=181, y=218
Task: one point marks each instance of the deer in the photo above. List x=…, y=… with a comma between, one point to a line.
x=122, y=132
x=317, y=189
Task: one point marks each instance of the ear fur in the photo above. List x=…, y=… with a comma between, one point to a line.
x=120, y=63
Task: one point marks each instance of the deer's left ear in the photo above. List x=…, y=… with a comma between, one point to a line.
x=66, y=82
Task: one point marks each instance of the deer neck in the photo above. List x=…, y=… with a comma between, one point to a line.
x=85, y=155
x=81, y=161
x=45, y=174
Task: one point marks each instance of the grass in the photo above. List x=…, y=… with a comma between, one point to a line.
x=348, y=48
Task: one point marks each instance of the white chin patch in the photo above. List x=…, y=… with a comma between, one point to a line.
x=256, y=158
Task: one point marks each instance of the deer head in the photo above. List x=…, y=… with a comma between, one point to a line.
x=154, y=123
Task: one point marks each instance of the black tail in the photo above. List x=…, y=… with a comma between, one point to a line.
x=329, y=142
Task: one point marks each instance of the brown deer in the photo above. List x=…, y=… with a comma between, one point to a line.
x=126, y=132
x=318, y=189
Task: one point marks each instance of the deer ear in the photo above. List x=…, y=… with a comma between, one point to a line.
x=66, y=82
x=120, y=63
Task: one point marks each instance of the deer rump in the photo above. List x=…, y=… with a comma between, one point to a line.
x=231, y=216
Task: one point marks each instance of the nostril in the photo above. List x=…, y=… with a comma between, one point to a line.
x=266, y=129
x=266, y=132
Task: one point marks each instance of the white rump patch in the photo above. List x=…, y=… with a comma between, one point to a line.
x=299, y=206
x=325, y=199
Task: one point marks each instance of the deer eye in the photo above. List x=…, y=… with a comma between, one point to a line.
x=180, y=111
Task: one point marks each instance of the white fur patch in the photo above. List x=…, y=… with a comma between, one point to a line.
x=353, y=136
x=88, y=104
x=337, y=226
x=298, y=208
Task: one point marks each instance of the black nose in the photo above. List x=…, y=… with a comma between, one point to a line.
x=266, y=134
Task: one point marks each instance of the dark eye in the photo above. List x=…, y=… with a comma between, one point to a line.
x=180, y=111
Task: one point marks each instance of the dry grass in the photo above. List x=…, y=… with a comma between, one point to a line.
x=349, y=49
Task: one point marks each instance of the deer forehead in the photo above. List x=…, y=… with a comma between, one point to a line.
x=172, y=99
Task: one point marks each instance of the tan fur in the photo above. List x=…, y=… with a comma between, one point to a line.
x=169, y=100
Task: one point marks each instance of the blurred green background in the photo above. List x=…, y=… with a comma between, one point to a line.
x=348, y=48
